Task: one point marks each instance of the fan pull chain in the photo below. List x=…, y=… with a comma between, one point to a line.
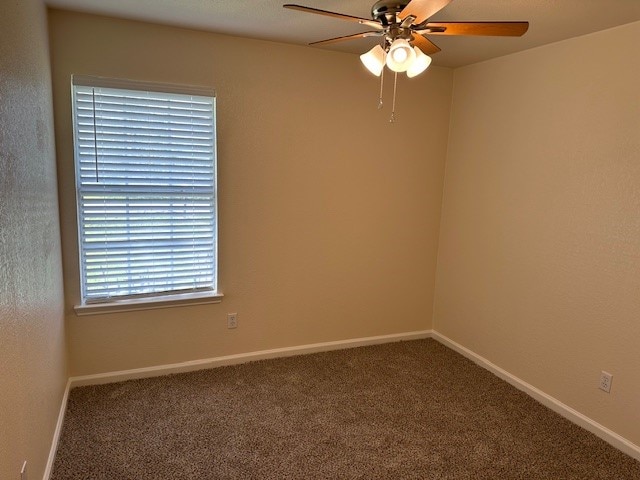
x=381, y=85
x=393, y=106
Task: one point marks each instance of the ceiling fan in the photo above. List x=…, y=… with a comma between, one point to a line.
x=409, y=20
x=402, y=26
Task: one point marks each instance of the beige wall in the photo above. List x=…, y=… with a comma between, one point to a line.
x=539, y=263
x=32, y=348
x=329, y=215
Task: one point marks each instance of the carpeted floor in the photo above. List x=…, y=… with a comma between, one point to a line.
x=407, y=410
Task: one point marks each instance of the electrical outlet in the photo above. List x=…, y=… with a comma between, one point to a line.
x=605, y=381
x=232, y=320
x=23, y=471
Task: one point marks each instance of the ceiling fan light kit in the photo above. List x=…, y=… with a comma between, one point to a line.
x=403, y=25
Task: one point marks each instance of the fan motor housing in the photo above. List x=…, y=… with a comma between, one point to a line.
x=386, y=10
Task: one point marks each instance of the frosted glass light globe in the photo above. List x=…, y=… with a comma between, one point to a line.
x=400, y=56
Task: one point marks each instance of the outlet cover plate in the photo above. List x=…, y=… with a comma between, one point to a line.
x=605, y=381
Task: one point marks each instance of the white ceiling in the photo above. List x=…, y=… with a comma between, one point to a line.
x=550, y=21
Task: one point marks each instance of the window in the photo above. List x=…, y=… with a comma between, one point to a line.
x=145, y=160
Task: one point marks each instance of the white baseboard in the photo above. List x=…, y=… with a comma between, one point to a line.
x=557, y=406
x=57, y=432
x=193, y=365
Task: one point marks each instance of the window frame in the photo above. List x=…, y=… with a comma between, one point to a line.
x=150, y=300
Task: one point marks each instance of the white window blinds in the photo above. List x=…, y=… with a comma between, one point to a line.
x=146, y=190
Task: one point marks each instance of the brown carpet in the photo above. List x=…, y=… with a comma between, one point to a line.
x=396, y=411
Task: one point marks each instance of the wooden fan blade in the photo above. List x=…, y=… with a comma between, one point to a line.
x=348, y=37
x=427, y=46
x=361, y=21
x=499, y=29
x=423, y=9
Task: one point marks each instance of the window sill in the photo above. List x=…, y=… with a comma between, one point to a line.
x=149, y=303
